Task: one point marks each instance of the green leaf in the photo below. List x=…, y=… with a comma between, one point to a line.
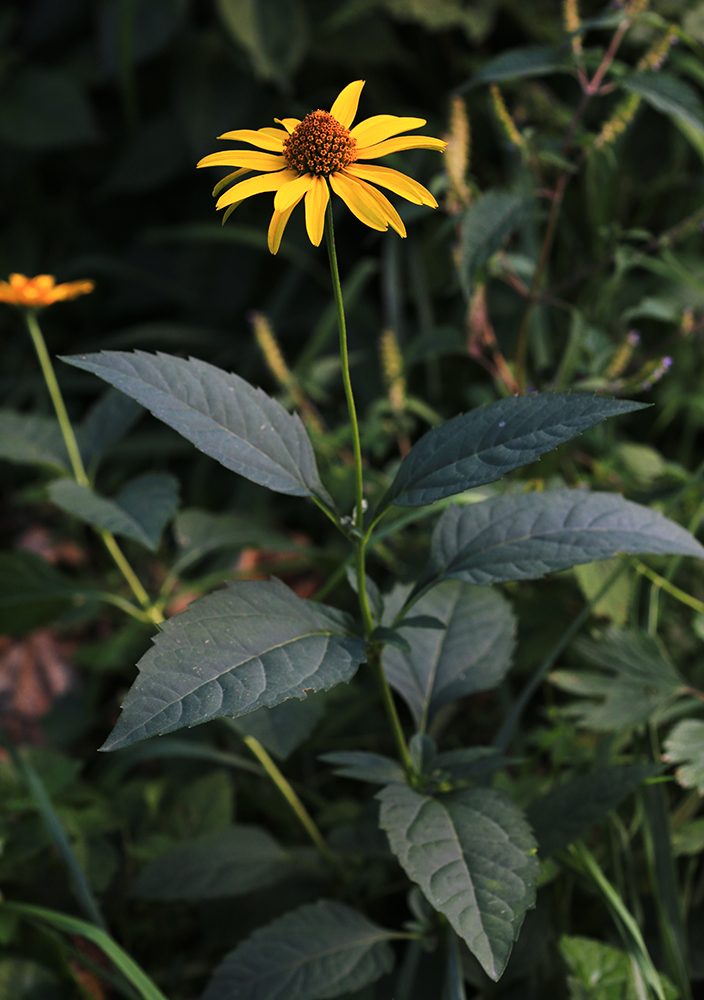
x=274, y=33
x=32, y=592
x=473, y=856
x=524, y=537
x=325, y=949
x=668, y=94
x=253, y=644
x=569, y=811
x=482, y=446
x=363, y=766
x=639, y=680
x=471, y=762
x=140, y=511
x=472, y=653
x=485, y=228
x=22, y=979
x=283, y=728
x=229, y=862
x=107, y=421
x=32, y=440
x=533, y=60
x=601, y=972
x=199, y=533
x=224, y=416
x=685, y=747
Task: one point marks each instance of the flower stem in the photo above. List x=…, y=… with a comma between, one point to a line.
x=361, y=538
x=74, y=454
x=289, y=794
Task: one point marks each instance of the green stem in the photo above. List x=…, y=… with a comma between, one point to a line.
x=347, y=382
x=360, y=539
x=52, y=385
x=288, y=793
x=74, y=454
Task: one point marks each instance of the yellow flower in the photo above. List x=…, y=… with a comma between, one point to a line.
x=35, y=293
x=307, y=158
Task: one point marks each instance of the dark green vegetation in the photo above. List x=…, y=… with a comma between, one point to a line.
x=523, y=820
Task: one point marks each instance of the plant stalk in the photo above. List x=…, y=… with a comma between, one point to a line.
x=360, y=539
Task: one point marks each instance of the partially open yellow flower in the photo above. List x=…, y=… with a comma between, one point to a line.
x=35, y=293
x=307, y=158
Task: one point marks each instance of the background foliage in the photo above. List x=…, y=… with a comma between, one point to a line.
x=104, y=109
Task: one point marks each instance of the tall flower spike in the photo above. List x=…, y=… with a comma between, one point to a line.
x=309, y=158
x=40, y=291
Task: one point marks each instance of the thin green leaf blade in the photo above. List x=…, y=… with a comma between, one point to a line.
x=325, y=949
x=669, y=94
x=524, y=537
x=222, y=414
x=225, y=863
x=253, y=644
x=363, y=766
x=472, y=653
x=473, y=855
x=482, y=446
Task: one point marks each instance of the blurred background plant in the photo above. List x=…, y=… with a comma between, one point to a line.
x=566, y=253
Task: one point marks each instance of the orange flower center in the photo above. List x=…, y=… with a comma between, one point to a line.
x=320, y=145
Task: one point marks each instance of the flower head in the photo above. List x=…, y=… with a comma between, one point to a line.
x=305, y=159
x=35, y=293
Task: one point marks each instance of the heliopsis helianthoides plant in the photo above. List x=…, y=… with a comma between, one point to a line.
x=257, y=645
x=304, y=159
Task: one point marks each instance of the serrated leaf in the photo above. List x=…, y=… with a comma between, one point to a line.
x=569, y=811
x=321, y=950
x=524, y=537
x=391, y=637
x=32, y=440
x=284, y=727
x=363, y=766
x=473, y=856
x=472, y=653
x=519, y=63
x=482, y=446
x=139, y=511
x=33, y=592
x=222, y=414
x=639, y=680
x=685, y=747
x=486, y=226
x=253, y=644
x=668, y=94
x=228, y=862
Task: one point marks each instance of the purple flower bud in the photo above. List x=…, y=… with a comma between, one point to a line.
x=633, y=338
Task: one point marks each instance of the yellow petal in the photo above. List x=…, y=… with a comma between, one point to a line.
x=384, y=207
x=261, y=138
x=243, y=158
x=402, y=142
x=317, y=197
x=290, y=194
x=255, y=185
x=382, y=127
x=288, y=123
x=355, y=197
x=345, y=107
x=228, y=180
x=394, y=180
x=277, y=133
x=276, y=228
